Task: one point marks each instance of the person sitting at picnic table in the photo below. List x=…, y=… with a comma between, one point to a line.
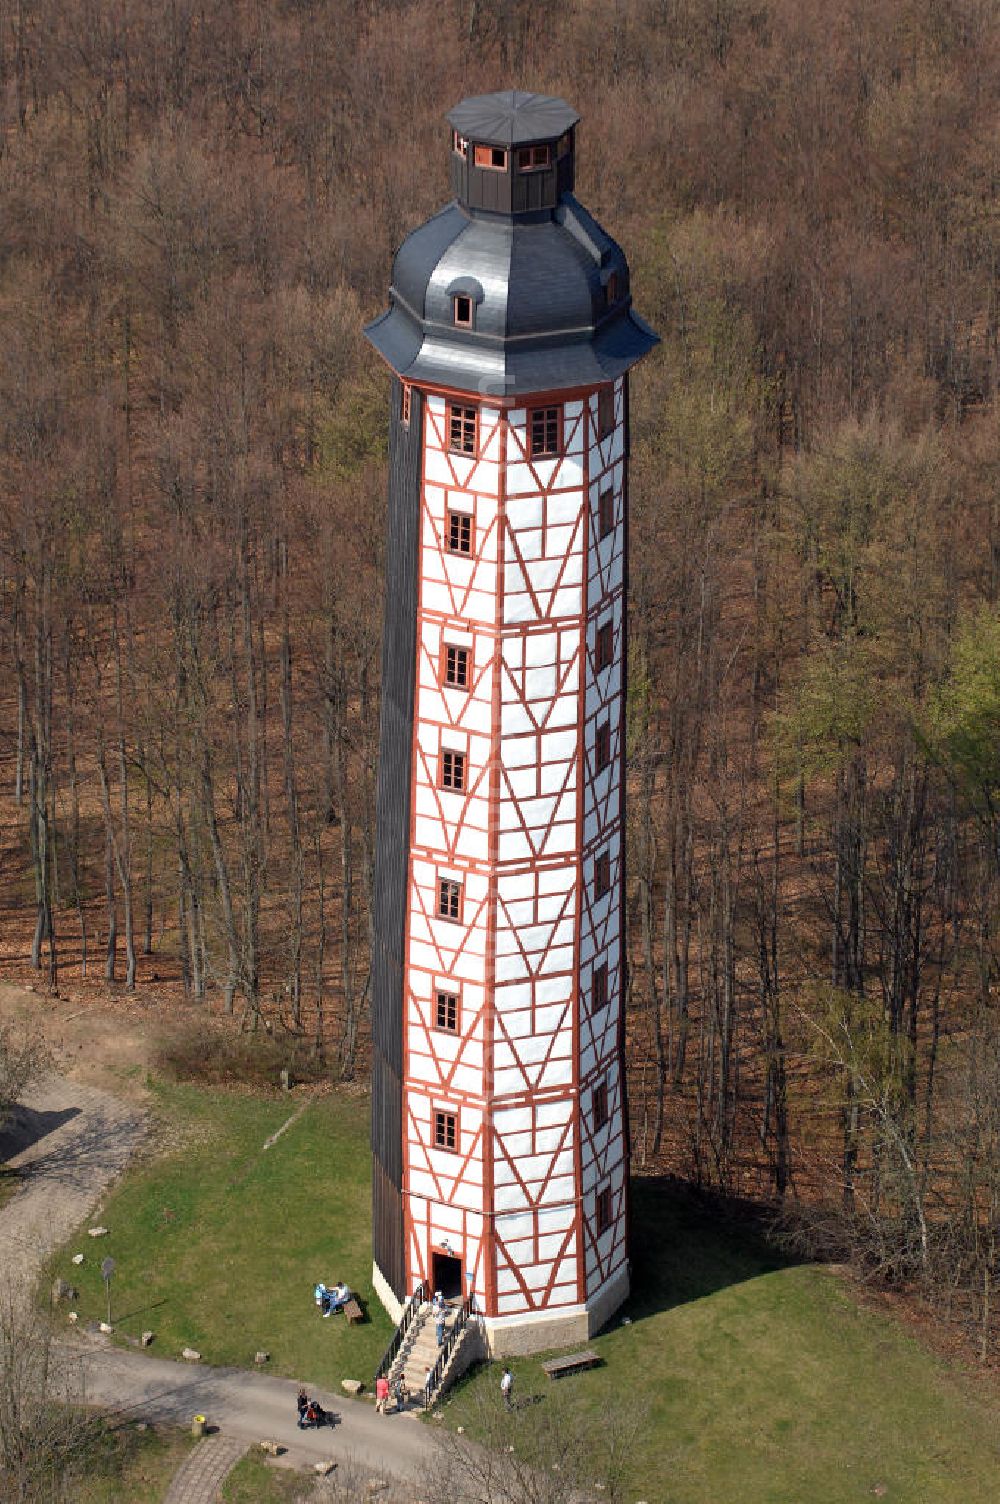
x=331, y=1298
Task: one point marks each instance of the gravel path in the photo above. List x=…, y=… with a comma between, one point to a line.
x=69, y=1142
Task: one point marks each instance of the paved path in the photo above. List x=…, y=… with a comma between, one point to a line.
x=251, y=1407
x=199, y=1477
x=69, y=1142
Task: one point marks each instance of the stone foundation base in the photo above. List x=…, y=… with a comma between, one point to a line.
x=544, y=1331
x=383, y=1290
x=535, y=1331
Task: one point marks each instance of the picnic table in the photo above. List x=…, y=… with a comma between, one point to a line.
x=557, y=1368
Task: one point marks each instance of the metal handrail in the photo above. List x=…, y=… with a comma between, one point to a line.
x=465, y=1315
x=409, y=1311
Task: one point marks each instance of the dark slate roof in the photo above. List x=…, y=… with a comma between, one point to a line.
x=512, y=118
x=541, y=321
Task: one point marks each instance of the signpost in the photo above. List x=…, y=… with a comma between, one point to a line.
x=107, y=1270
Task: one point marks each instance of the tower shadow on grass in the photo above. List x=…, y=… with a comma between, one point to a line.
x=686, y=1245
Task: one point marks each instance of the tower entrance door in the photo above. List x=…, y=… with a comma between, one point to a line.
x=447, y=1275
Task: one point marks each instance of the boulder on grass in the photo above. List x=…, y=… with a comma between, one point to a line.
x=191, y=1355
x=351, y=1386
x=146, y=1339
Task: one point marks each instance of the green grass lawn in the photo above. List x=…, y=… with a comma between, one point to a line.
x=764, y=1384
x=131, y=1464
x=254, y=1481
x=218, y=1242
x=758, y=1381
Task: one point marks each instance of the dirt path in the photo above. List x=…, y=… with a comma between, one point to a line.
x=68, y=1141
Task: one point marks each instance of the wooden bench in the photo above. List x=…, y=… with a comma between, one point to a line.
x=353, y=1311
x=555, y=1368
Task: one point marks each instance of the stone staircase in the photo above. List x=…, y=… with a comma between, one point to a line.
x=420, y=1351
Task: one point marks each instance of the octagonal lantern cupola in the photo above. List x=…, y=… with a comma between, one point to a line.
x=499, y=1123
x=512, y=153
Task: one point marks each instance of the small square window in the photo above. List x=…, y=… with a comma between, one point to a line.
x=446, y=1011
x=602, y=874
x=449, y=898
x=462, y=428
x=459, y=532
x=453, y=771
x=532, y=158
x=456, y=666
x=602, y=747
x=605, y=411
x=599, y=987
x=603, y=1210
x=605, y=645
x=606, y=513
x=404, y=405
x=544, y=431
x=599, y=1105
x=493, y=157
x=463, y=310
x=446, y=1130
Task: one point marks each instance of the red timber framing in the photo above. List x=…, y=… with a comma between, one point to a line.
x=516, y=1194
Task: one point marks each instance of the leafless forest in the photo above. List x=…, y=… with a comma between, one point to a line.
x=199, y=200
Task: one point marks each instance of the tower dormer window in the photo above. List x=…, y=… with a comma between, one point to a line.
x=463, y=305
x=493, y=157
x=611, y=290
x=533, y=158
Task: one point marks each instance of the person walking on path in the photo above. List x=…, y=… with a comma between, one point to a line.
x=506, y=1388
x=439, y=1329
x=381, y=1393
x=303, y=1406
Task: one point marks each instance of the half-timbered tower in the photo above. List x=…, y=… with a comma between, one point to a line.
x=499, y=1123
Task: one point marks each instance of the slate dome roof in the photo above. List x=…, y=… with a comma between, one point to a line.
x=550, y=289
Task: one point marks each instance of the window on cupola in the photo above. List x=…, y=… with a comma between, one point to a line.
x=533, y=158
x=463, y=311
x=611, y=290
x=493, y=157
